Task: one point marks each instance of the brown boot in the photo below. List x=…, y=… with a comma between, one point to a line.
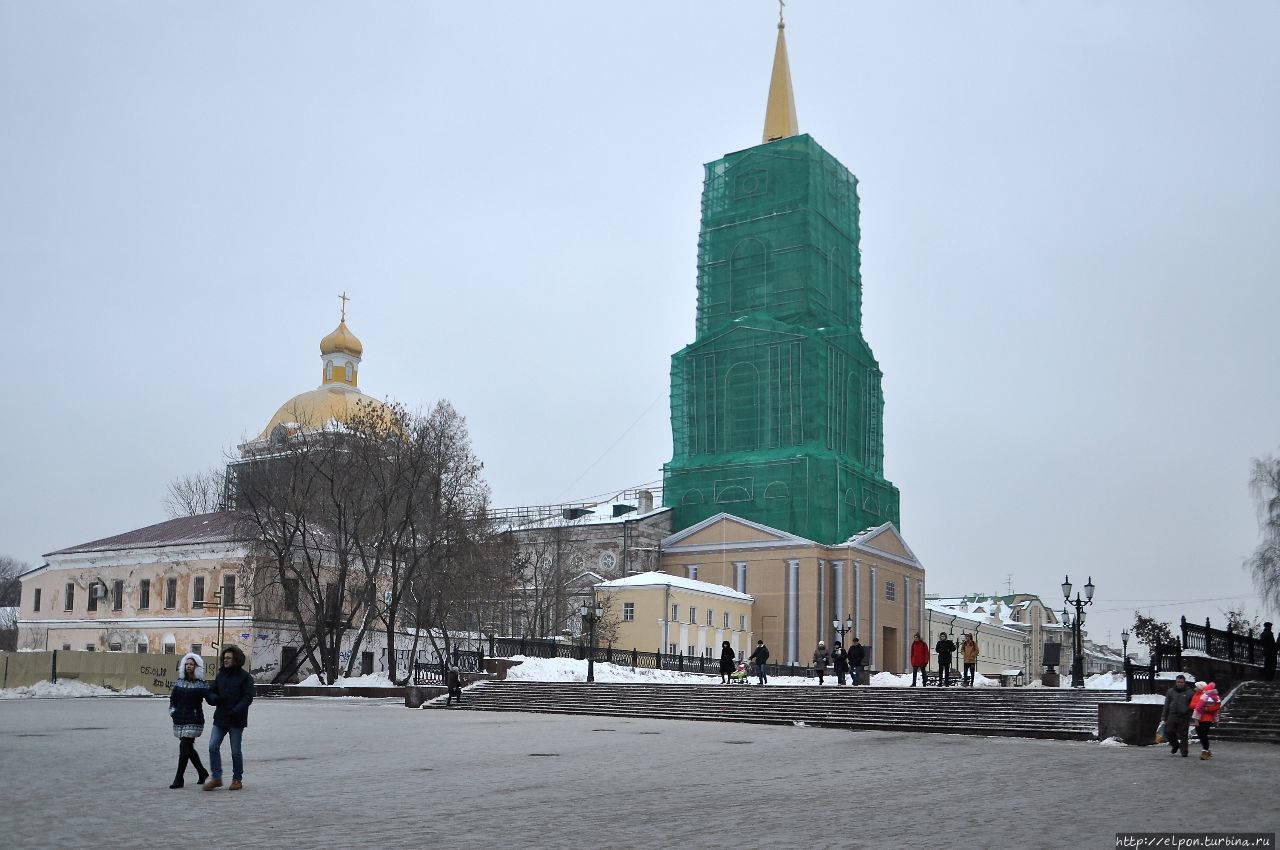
x=212, y=784
x=235, y=785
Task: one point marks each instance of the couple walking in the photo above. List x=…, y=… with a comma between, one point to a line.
x=231, y=693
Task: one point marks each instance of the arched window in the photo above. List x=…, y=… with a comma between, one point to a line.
x=747, y=278
x=742, y=408
x=350, y=372
x=328, y=370
x=855, y=417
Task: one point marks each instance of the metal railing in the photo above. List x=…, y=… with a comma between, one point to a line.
x=432, y=668
x=1141, y=678
x=634, y=658
x=1226, y=644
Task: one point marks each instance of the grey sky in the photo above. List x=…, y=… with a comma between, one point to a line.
x=1069, y=217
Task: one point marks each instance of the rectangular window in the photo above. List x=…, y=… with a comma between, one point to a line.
x=726, y=619
x=171, y=593
x=197, y=593
x=228, y=589
x=92, y=604
x=69, y=600
x=671, y=649
x=710, y=617
x=144, y=594
x=628, y=611
x=693, y=571
x=890, y=591
x=742, y=620
x=693, y=616
x=117, y=595
x=291, y=595
x=35, y=602
x=115, y=647
x=675, y=615
x=142, y=649
x=693, y=650
x=196, y=648
x=88, y=647
x=170, y=649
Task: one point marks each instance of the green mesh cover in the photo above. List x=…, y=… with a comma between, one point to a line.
x=776, y=407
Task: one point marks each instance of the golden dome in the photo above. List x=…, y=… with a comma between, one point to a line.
x=341, y=340
x=315, y=409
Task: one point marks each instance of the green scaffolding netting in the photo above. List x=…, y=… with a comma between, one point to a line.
x=776, y=406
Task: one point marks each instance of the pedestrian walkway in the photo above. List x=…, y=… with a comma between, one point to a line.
x=352, y=773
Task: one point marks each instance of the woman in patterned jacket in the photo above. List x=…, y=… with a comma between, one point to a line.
x=186, y=707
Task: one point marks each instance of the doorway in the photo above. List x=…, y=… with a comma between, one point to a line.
x=889, y=650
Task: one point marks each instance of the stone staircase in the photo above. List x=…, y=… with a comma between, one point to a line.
x=1030, y=713
x=1250, y=713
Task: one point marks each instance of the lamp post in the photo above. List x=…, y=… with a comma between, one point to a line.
x=591, y=614
x=1077, y=658
x=1124, y=641
x=848, y=627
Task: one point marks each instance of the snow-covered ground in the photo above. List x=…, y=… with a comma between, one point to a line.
x=67, y=689
x=373, y=680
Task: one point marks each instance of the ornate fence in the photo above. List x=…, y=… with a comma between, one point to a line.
x=1228, y=645
x=548, y=648
x=1141, y=678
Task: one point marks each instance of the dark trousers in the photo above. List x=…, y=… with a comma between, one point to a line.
x=1176, y=730
x=1202, y=732
x=1269, y=668
x=969, y=671
x=944, y=673
x=839, y=678
x=924, y=674
x=187, y=755
x=454, y=693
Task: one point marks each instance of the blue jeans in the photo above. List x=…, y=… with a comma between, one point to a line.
x=215, y=752
x=856, y=676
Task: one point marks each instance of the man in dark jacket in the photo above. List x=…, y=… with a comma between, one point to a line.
x=857, y=660
x=1177, y=715
x=761, y=658
x=231, y=694
x=1268, y=640
x=945, y=647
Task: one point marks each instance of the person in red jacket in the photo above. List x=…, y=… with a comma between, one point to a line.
x=1204, y=710
x=919, y=661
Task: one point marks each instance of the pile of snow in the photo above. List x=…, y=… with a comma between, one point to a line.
x=1105, y=682
x=1112, y=742
x=373, y=680
x=68, y=689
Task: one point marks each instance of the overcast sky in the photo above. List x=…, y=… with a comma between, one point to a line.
x=1070, y=222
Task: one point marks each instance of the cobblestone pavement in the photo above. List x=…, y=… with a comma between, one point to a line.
x=351, y=773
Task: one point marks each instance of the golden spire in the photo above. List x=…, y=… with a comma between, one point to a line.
x=780, y=116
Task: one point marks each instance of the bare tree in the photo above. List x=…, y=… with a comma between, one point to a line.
x=1264, y=563
x=198, y=493
x=10, y=587
x=1240, y=622
x=1151, y=632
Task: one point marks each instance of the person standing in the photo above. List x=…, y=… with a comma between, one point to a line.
x=945, y=649
x=728, y=659
x=858, y=660
x=1176, y=715
x=1204, y=710
x=820, y=660
x=1268, y=640
x=839, y=662
x=919, y=661
x=453, y=682
x=969, y=654
x=186, y=708
x=761, y=658
x=231, y=693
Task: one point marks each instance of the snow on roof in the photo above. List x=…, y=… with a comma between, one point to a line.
x=983, y=617
x=598, y=513
x=654, y=578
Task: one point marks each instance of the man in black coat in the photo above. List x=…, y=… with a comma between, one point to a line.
x=857, y=660
x=945, y=647
x=761, y=658
x=231, y=694
x=1177, y=715
x=839, y=662
x=1268, y=652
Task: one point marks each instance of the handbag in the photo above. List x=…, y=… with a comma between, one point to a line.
x=1160, y=733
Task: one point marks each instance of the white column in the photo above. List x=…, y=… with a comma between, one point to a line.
x=857, y=599
x=837, y=576
x=793, y=612
x=876, y=649
x=822, y=599
x=740, y=576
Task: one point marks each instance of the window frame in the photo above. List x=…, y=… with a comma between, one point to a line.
x=69, y=597
x=170, y=593
x=628, y=612
x=144, y=594
x=117, y=597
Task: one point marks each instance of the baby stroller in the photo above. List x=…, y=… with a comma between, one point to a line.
x=739, y=675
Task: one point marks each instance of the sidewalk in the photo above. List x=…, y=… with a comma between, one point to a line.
x=356, y=773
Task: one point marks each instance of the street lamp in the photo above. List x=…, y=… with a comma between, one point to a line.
x=1077, y=658
x=848, y=627
x=590, y=616
x=1124, y=641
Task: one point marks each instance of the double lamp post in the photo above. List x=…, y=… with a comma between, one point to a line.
x=1077, y=658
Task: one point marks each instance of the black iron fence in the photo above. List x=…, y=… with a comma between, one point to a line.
x=1227, y=644
x=430, y=667
x=679, y=662
x=1141, y=678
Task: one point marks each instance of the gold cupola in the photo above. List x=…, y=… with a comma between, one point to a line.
x=338, y=395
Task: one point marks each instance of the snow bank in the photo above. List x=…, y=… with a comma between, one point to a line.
x=373, y=680
x=68, y=689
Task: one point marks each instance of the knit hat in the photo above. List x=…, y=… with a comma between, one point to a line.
x=1200, y=686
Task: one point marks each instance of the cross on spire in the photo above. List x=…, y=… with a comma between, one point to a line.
x=781, y=3
x=343, y=297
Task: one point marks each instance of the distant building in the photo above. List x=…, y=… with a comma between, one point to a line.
x=677, y=615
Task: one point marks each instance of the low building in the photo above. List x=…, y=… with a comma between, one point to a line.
x=676, y=615
x=802, y=589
